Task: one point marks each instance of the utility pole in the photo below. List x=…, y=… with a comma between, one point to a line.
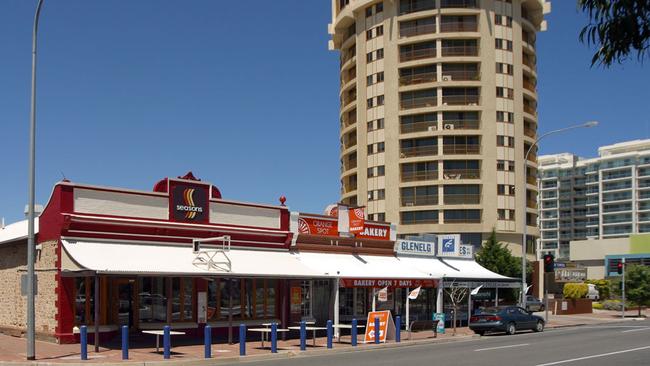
x=31, y=309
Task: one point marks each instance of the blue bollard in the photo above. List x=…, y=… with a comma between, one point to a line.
x=353, y=333
x=274, y=338
x=83, y=339
x=330, y=333
x=125, y=342
x=242, y=339
x=167, y=346
x=398, y=329
x=207, y=340
x=303, y=335
x=377, y=330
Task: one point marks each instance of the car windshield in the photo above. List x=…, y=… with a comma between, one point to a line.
x=488, y=311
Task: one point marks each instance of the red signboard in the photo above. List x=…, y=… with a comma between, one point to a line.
x=313, y=226
x=372, y=231
x=386, y=326
x=382, y=282
x=357, y=219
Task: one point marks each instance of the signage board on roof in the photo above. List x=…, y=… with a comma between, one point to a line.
x=415, y=247
x=189, y=202
x=357, y=218
x=316, y=226
x=466, y=251
x=449, y=245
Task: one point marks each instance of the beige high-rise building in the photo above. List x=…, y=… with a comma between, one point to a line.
x=438, y=106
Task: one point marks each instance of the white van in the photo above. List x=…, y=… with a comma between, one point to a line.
x=593, y=292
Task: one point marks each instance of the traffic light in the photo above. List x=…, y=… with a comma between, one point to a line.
x=549, y=263
x=619, y=267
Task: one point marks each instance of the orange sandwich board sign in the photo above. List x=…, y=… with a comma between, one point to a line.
x=386, y=326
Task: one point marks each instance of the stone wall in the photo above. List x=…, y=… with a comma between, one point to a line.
x=13, y=306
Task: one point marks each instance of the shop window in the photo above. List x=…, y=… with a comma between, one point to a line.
x=251, y=299
x=152, y=299
x=182, y=295
x=305, y=303
x=84, y=306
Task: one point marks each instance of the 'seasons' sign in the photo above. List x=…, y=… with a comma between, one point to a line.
x=415, y=247
x=189, y=202
x=449, y=245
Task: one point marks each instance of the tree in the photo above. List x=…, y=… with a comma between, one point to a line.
x=575, y=291
x=617, y=28
x=637, y=285
x=456, y=296
x=494, y=256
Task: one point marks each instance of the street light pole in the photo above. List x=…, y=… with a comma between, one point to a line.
x=523, y=242
x=31, y=312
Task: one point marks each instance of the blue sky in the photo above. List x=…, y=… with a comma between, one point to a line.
x=244, y=94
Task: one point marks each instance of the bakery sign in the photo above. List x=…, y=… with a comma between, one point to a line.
x=384, y=282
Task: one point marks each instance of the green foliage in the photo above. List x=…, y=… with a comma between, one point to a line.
x=575, y=290
x=597, y=305
x=494, y=256
x=603, y=287
x=637, y=285
x=616, y=305
x=617, y=28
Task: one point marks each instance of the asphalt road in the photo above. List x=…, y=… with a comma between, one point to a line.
x=626, y=343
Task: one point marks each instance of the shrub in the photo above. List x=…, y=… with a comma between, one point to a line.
x=575, y=290
x=597, y=306
x=613, y=305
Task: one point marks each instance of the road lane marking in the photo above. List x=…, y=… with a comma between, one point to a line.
x=593, y=356
x=509, y=346
x=635, y=330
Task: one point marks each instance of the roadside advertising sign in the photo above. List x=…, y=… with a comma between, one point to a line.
x=449, y=245
x=415, y=247
x=440, y=317
x=570, y=274
x=386, y=326
x=357, y=220
x=382, y=282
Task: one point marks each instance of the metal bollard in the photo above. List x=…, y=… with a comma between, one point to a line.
x=398, y=329
x=83, y=339
x=125, y=342
x=242, y=339
x=377, y=330
x=207, y=340
x=330, y=333
x=274, y=337
x=167, y=342
x=353, y=333
x=303, y=335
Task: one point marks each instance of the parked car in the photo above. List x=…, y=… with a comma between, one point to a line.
x=507, y=319
x=534, y=304
x=593, y=292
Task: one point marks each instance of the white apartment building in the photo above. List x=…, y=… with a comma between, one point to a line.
x=438, y=107
x=597, y=198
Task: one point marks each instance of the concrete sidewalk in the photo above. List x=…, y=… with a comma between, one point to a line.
x=12, y=349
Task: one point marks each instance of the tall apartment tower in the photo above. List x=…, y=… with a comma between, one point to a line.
x=598, y=198
x=438, y=107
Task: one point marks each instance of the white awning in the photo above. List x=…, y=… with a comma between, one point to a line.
x=177, y=259
x=362, y=266
x=452, y=268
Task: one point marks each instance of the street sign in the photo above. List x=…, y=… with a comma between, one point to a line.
x=560, y=265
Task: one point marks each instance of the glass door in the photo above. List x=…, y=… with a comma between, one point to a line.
x=123, y=302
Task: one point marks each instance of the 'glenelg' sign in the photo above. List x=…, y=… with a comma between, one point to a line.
x=415, y=247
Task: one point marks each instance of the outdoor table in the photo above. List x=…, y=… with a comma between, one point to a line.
x=158, y=333
x=345, y=326
x=265, y=331
x=310, y=328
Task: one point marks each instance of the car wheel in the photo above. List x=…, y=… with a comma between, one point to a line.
x=480, y=332
x=539, y=327
x=511, y=329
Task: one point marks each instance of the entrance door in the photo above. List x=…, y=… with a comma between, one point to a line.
x=123, y=303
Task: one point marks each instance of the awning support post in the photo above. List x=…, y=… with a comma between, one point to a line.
x=374, y=301
x=406, y=319
x=439, y=297
x=230, y=311
x=97, y=302
x=337, y=331
x=496, y=296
